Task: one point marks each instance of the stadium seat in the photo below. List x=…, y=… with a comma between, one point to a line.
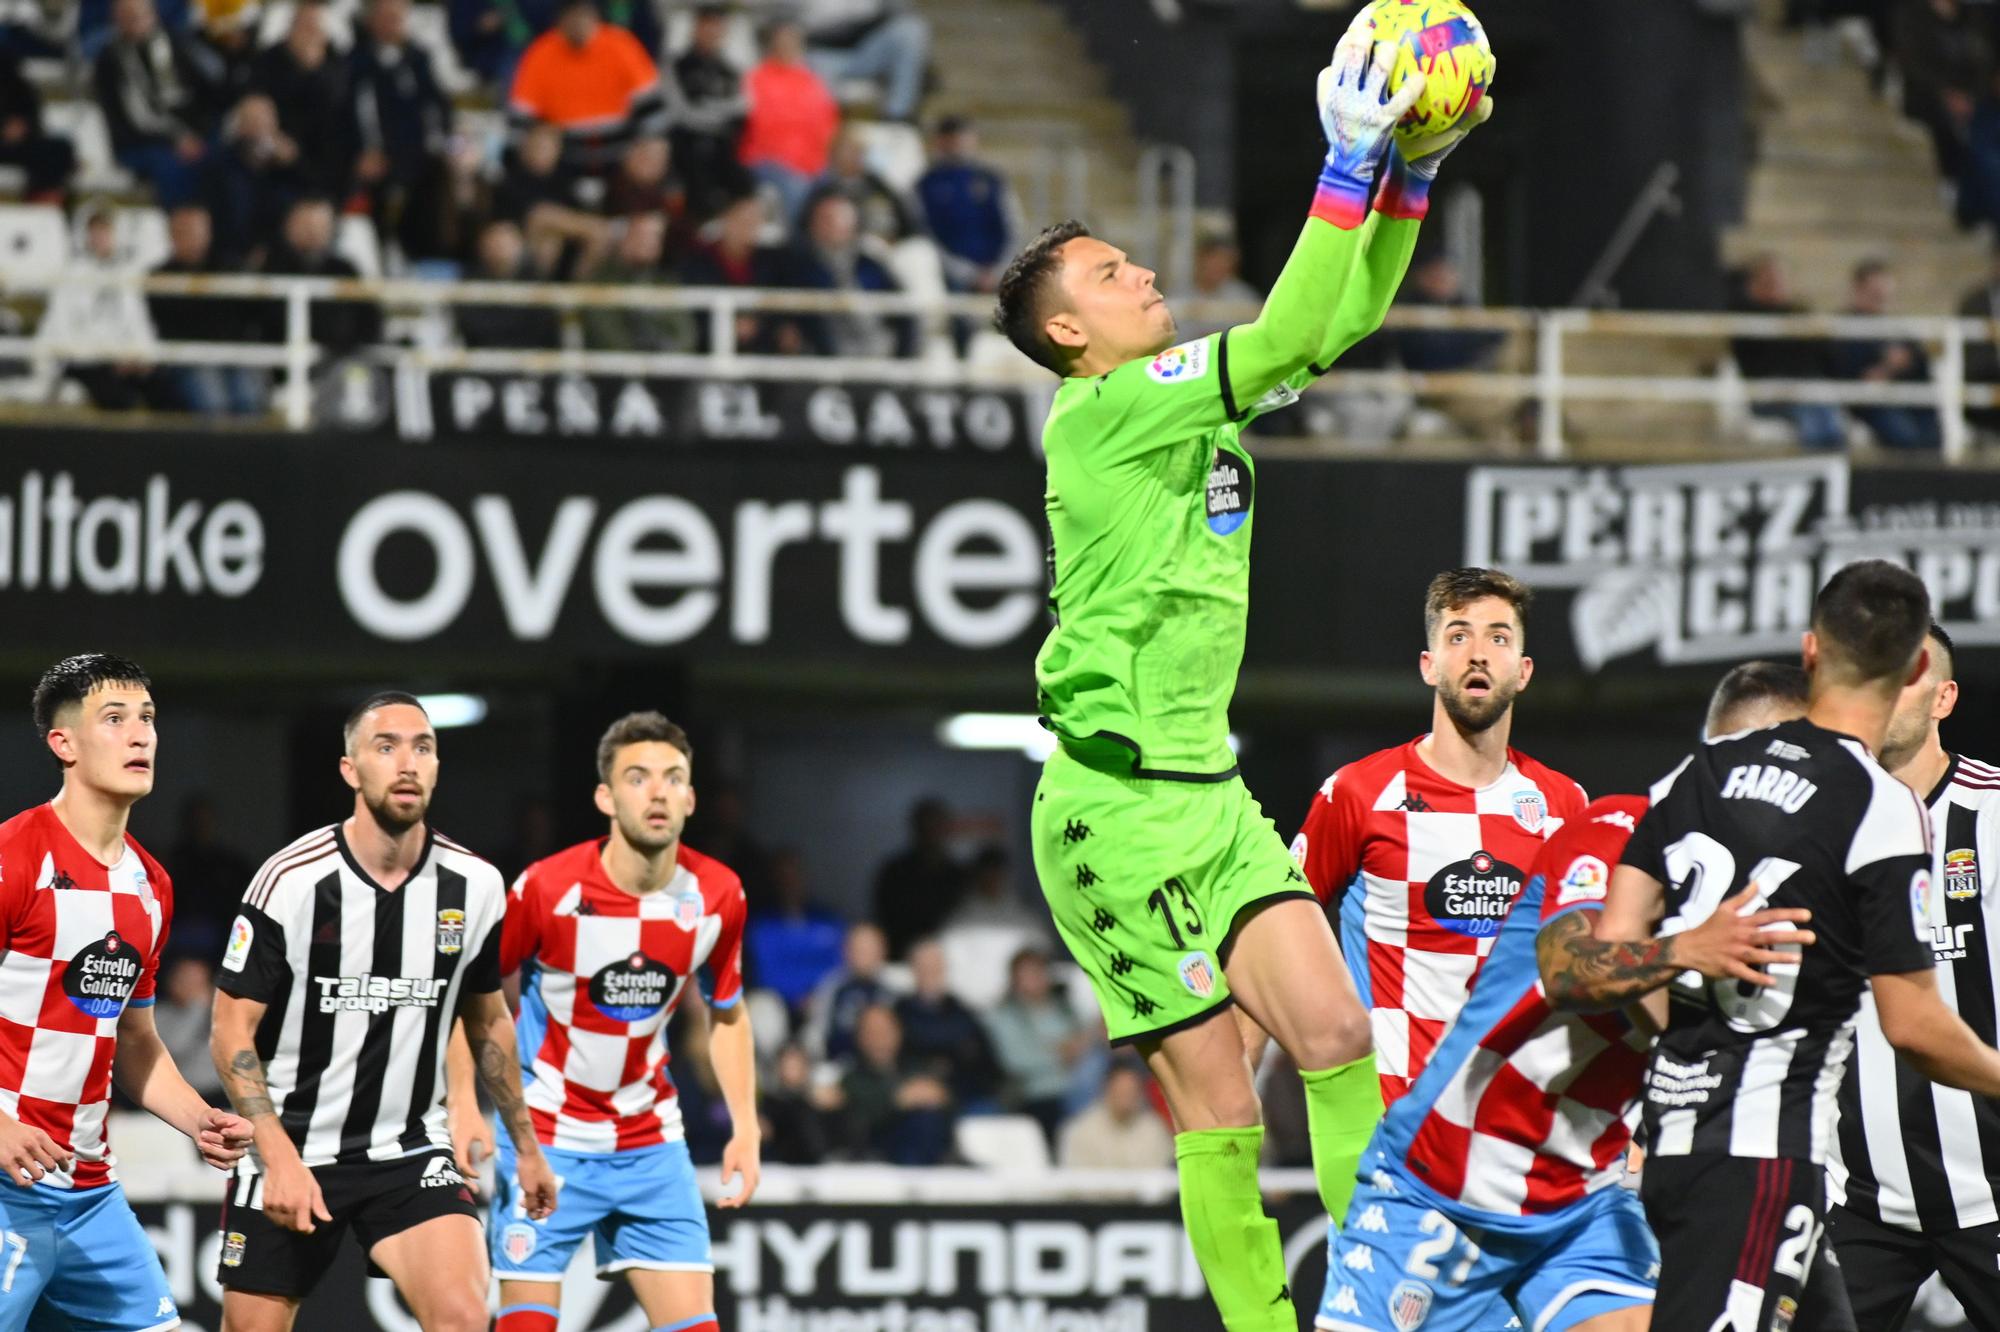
x=1011, y=1143
x=34, y=243
x=340, y=16
x=355, y=241
x=156, y=1161
x=894, y=152
x=82, y=123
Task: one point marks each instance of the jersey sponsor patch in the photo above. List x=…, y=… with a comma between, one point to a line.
x=1471, y=896
x=1180, y=365
x=631, y=990
x=102, y=976
x=1585, y=881
x=241, y=935
x=1230, y=490
x=1920, y=903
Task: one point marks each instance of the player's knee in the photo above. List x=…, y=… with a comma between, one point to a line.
x=461, y=1311
x=1339, y=1037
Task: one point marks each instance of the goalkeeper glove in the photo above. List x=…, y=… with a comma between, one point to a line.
x=1413, y=167
x=1358, y=115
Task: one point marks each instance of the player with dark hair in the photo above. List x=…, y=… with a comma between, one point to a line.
x=1423, y=847
x=351, y=952
x=1492, y=1184
x=86, y=915
x=1778, y=827
x=1915, y=1172
x=607, y=936
x=1170, y=887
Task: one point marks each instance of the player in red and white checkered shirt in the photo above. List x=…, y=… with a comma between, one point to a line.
x=1423, y=847
x=607, y=937
x=85, y=911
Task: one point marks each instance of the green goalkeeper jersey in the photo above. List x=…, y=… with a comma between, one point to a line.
x=1151, y=499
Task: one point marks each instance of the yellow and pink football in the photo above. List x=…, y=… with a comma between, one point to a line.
x=1444, y=40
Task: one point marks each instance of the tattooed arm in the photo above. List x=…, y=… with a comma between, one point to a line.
x=489, y=1033
x=1591, y=968
x=291, y=1195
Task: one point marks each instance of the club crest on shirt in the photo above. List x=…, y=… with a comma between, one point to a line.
x=1529, y=810
x=232, y=1249
x=1409, y=1305
x=99, y=979
x=1180, y=365
x=688, y=908
x=1961, y=874
x=450, y=931
x=517, y=1242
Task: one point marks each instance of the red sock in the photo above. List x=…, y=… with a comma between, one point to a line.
x=526, y=1318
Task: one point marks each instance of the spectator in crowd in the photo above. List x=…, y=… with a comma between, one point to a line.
x=46, y=159
x=594, y=82
x=103, y=332
x=312, y=88
x=257, y=175
x=721, y=829
x=1120, y=1130
x=734, y=258
x=711, y=115
x=794, y=1110
x=639, y=260
x=404, y=120
x=183, y=1015
x=969, y=209
x=884, y=41
x=886, y=216
x=941, y=1035
x=97, y=23
x=1436, y=281
x=829, y=256
x=206, y=874
x=157, y=89
x=837, y=1002
x=916, y=889
x=704, y=1111
x=209, y=874
x=1764, y=288
x=890, y=1111
x=1982, y=358
x=1946, y=63
x=227, y=35
x=503, y=257
x=340, y=327
x=645, y=183
x=1885, y=361
x=792, y=943
x=1039, y=1040
x=992, y=924
x=490, y=35
x=539, y=193
x=1218, y=277
x=788, y=131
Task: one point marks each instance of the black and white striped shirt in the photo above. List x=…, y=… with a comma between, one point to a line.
x=1809, y=816
x=1911, y=1153
x=360, y=985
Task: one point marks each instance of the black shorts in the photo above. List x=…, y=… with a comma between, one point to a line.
x=1743, y=1246
x=1885, y=1265
x=376, y=1199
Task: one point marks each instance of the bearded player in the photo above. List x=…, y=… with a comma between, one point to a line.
x=1423, y=848
x=1169, y=885
x=1493, y=1183
x=607, y=936
x=86, y=912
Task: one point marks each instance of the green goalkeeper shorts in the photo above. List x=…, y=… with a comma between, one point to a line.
x=1147, y=878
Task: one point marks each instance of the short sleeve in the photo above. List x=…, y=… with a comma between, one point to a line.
x=725, y=963
x=254, y=964
x=1648, y=848
x=520, y=930
x=162, y=888
x=1153, y=403
x=1328, y=847
x=1893, y=898
x=482, y=974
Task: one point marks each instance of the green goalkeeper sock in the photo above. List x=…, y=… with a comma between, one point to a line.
x=1343, y=1105
x=1236, y=1244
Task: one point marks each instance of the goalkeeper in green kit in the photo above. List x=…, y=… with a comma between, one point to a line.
x=1169, y=886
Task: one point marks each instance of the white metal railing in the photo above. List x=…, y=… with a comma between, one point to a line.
x=1549, y=335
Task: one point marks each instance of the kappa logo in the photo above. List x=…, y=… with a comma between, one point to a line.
x=1344, y=1302
x=1530, y=810
x=165, y=1308
x=1361, y=1258
x=1373, y=1220
x=450, y=931
x=1618, y=818
x=52, y=877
